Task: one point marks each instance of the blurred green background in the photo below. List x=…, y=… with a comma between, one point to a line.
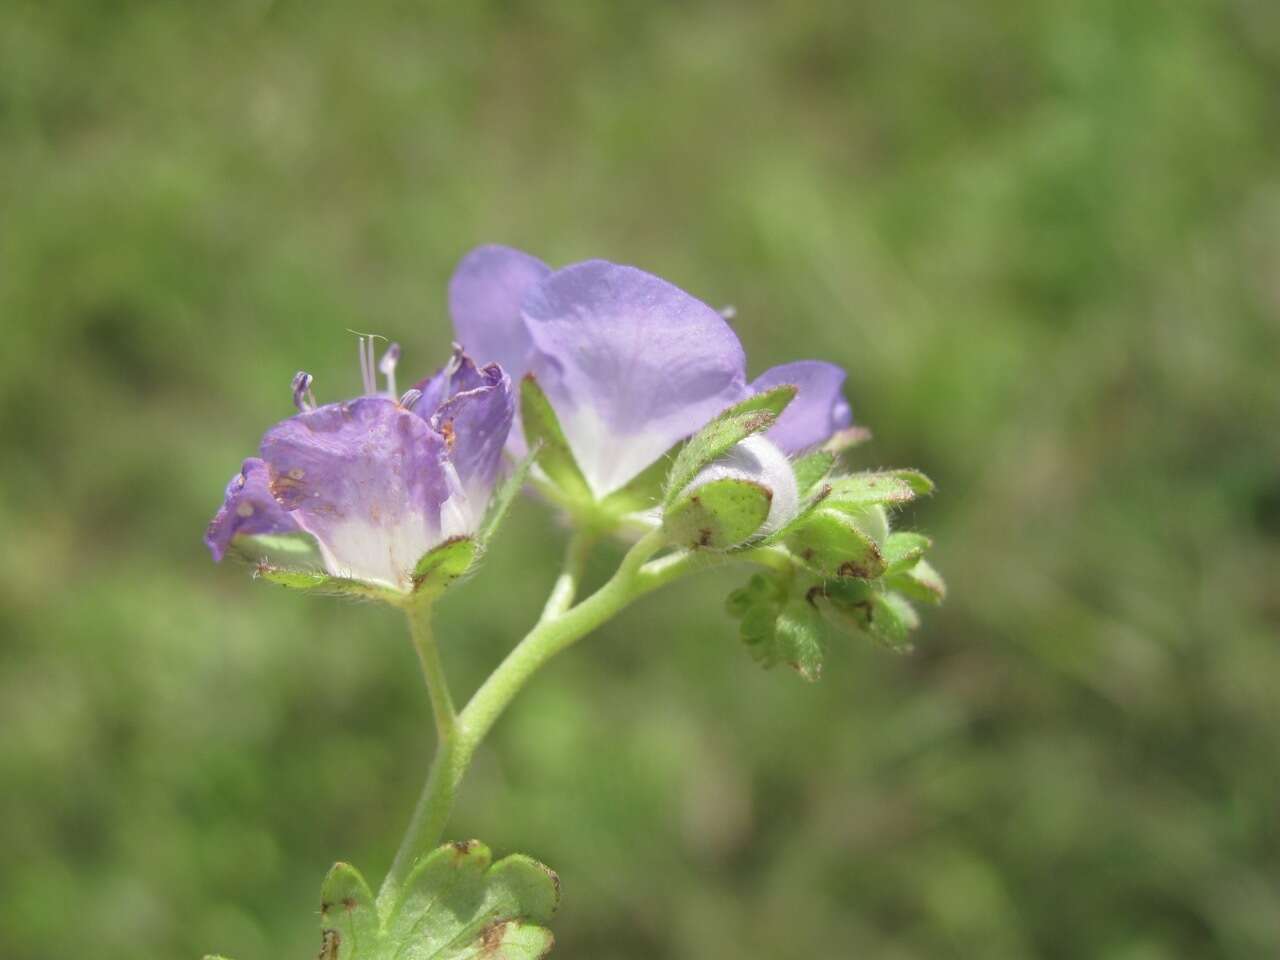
x=1043, y=237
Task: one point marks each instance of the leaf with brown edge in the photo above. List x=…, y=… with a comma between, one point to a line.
x=348, y=918
x=455, y=905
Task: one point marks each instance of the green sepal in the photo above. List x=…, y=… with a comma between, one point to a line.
x=542, y=427
x=455, y=905
x=836, y=544
x=811, y=469
x=442, y=565
x=317, y=581
x=920, y=582
x=865, y=607
x=903, y=550
x=348, y=917
x=506, y=493
x=758, y=412
x=718, y=514
x=855, y=491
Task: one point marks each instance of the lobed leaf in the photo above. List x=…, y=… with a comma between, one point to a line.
x=455, y=905
x=780, y=623
x=348, y=917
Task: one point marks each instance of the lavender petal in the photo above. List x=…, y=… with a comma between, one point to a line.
x=485, y=293
x=475, y=424
x=365, y=478
x=819, y=409
x=631, y=364
x=247, y=509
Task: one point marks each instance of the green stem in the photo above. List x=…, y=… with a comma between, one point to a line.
x=551, y=636
x=566, y=586
x=424, y=642
x=560, y=627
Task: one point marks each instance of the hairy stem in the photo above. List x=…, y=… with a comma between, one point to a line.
x=566, y=586
x=561, y=626
x=424, y=642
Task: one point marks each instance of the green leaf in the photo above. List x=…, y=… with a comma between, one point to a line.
x=902, y=550
x=454, y=905
x=758, y=412
x=505, y=495
x=319, y=582
x=835, y=544
x=920, y=582
x=443, y=564
x=780, y=623
x=800, y=635
x=542, y=427
x=348, y=917
x=892, y=620
x=718, y=514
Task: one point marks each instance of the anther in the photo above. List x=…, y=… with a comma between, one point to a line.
x=411, y=397
x=303, y=399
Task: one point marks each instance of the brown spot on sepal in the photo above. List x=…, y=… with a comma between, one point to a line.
x=850, y=569
x=492, y=936
x=463, y=848
x=330, y=941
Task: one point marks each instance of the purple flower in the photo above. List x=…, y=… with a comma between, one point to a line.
x=631, y=364
x=378, y=482
x=248, y=509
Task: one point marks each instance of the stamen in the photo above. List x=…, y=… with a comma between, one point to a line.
x=411, y=397
x=388, y=366
x=366, y=365
x=303, y=398
x=729, y=311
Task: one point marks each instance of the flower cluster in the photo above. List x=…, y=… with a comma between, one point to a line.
x=626, y=403
x=635, y=399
